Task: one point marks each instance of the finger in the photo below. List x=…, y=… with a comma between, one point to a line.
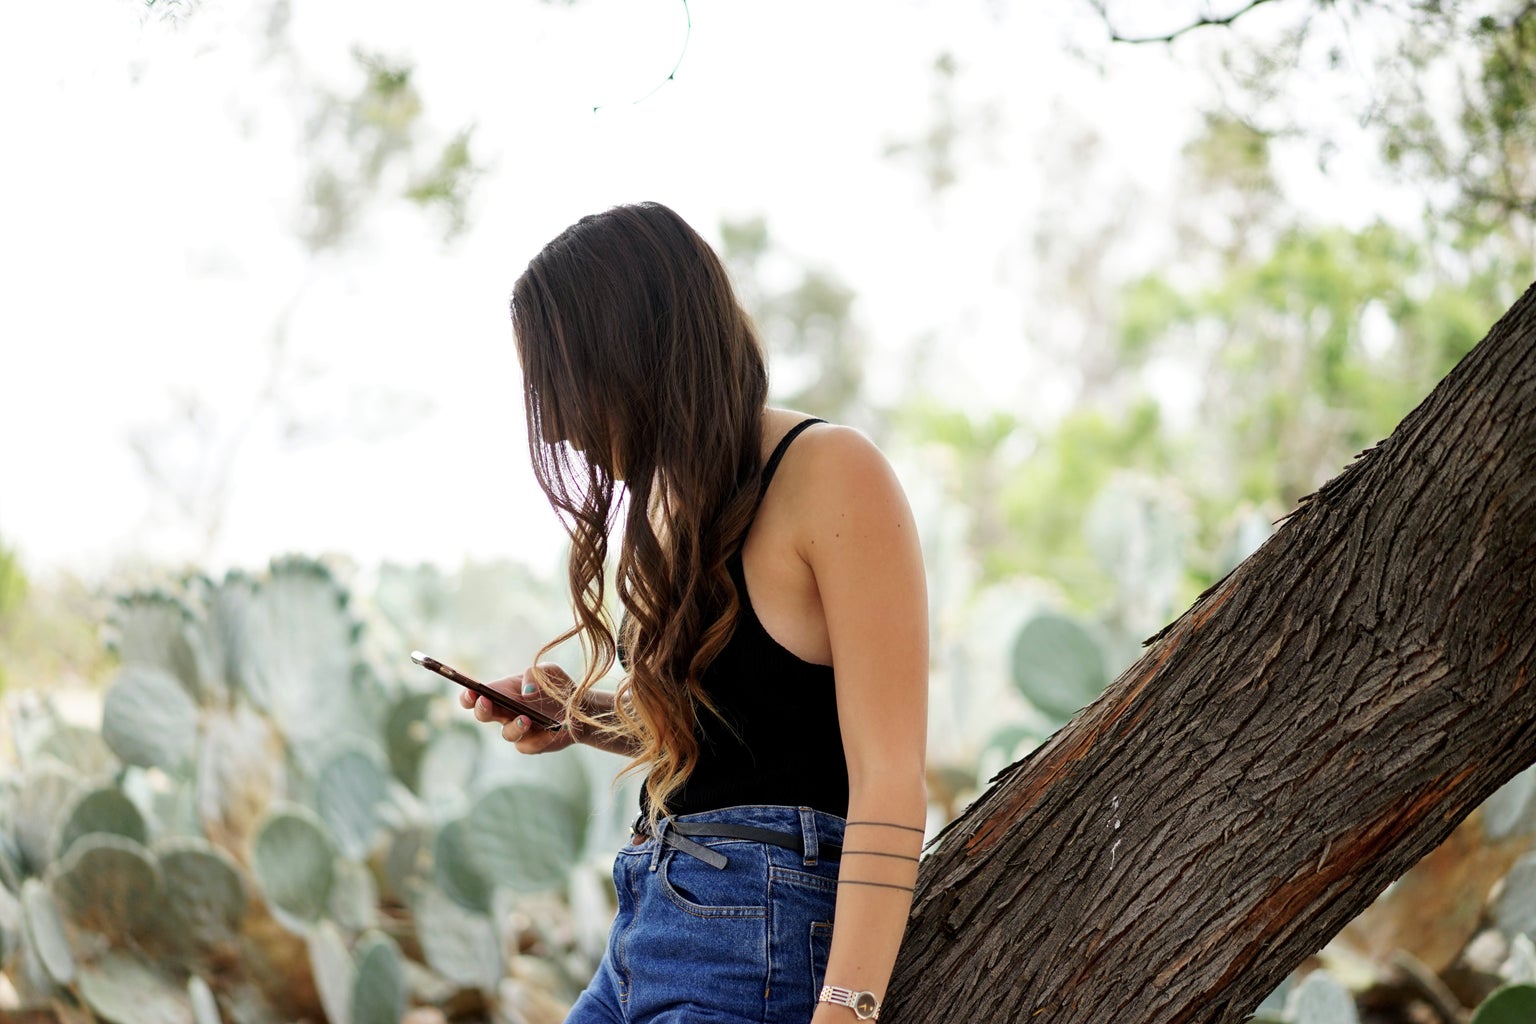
x=516, y=729
x=485, y=711
x=536, y=741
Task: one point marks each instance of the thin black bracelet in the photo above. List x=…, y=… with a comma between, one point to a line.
x=877, y=853
x=885, y=824
x=883, y=885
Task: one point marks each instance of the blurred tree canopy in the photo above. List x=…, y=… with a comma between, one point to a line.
x=1269, y=347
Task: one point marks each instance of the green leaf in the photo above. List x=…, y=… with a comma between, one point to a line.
x=456, y=872
x=459, y=944
x=525, y=837
x=149, y=720
x=355, y=897
x=45, y=928
x=1512, y=1004
x=109, y=885
x=449, y=768
x=105, y=810
x=38, y=801
x=80, y=750
x=205, y=891
x=126, y=989
x=407, y=730
x=1057, y=665
x=156, y=632
x=378, y=992
x=333, y=970
x=348, y=792
x=294, y=862
x=299, y=657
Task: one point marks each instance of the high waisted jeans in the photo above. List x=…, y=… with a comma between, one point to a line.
x=698, y=944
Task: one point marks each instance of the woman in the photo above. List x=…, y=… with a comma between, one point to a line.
x=773, y=635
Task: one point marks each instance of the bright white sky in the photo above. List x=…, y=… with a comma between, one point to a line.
x=150, y=184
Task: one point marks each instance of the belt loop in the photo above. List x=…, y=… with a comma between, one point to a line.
x=661, y=841
x=808, y=834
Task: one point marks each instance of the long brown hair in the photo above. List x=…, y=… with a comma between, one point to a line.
x=644, y=384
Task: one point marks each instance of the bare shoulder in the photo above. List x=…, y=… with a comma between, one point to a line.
x=838, y=459
x=842, y=478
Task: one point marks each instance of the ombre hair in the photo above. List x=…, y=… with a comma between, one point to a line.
x=645, y=384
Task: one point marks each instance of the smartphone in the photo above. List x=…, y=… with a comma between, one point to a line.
x=501, y=700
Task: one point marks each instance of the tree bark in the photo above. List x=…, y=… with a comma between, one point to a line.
x=1313, y=725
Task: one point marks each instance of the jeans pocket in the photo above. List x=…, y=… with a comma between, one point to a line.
x=737, y=890
x=821, y=948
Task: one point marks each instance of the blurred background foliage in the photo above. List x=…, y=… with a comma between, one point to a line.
x=359, y=864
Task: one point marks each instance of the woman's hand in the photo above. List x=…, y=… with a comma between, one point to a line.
x=517, y=729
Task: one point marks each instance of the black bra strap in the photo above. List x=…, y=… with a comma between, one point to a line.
x=779, y=450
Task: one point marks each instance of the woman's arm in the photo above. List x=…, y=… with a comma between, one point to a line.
x=860, y=541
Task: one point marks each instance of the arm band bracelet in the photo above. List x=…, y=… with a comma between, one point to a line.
x=885, y=824
x=877, y=853
x=882, y=885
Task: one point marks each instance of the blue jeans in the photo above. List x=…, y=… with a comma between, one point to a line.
x=699, y=944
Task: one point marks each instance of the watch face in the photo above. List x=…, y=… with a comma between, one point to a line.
x=864, y=1005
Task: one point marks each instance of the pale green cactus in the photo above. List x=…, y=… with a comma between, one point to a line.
x=205, y=893
x=150, y=720
x=335, y=973
x=110, y=886
x=458, y=943
x=349, y=790
x=378, y=991
x=103, y=810
x=1058, y=665
x=525, y=837
x=128, y=988
x=45, y=932
x=293, y=857
x=252, y=755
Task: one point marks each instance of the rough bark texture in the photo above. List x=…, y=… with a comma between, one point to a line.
x=1311, y=727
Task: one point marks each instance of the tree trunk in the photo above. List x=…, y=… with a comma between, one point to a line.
x=1317, y=722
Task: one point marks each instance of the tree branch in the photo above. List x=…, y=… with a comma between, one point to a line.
x=1115, y=35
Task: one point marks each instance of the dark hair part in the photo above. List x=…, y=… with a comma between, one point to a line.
x=640, y=366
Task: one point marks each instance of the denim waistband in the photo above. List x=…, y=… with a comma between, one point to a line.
x=815, y=835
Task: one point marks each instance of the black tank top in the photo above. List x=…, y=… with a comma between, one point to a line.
x=778, y=742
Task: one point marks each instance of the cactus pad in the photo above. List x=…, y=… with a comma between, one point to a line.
x=45, y=929
x=525, y=837
x=349, y=790
x=109, y=885
x=293, y=859
x=378, y=991
x=105, y=810
x=148, y=719
x=1058, y=666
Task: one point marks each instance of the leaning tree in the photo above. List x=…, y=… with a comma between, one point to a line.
x=1313, y=725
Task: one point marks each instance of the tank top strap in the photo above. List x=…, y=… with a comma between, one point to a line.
x=772, y=464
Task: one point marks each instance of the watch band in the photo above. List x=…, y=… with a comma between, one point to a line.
x=863, y=1004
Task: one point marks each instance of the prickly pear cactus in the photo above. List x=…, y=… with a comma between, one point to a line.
x=110, y=886
x=378, y=991
x=1058, y=665
x=150, y=720
x=105, y=810
x=205, y=893
x=294, y=860
x=261, y=800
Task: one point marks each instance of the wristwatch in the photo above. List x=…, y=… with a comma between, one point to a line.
x=863, y=1004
